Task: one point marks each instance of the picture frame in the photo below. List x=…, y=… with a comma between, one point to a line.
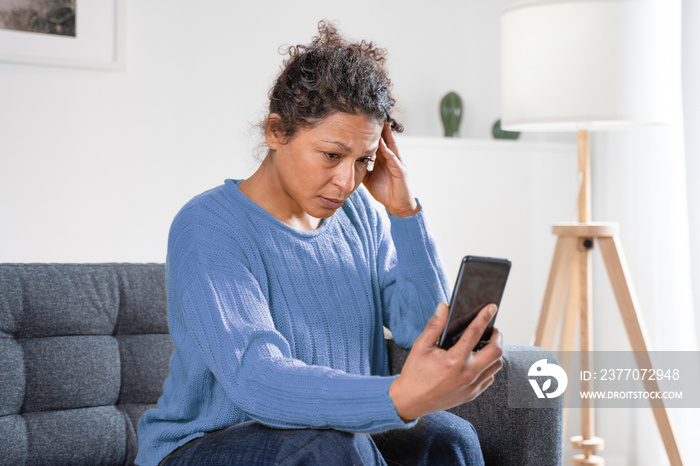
x=99, y=42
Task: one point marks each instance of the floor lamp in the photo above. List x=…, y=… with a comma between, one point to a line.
x=586, y=65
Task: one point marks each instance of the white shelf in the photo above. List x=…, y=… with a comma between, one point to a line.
x=483, y=145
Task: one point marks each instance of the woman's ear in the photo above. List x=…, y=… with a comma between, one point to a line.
x=273, y=136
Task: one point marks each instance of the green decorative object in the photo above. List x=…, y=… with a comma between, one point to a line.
x=451, y=113
x=498, y=133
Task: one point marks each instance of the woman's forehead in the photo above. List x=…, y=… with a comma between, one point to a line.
x=348, y=125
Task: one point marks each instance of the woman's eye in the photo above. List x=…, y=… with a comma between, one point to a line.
x=332, y=155
x=368, y=161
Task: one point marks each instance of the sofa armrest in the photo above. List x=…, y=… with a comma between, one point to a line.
x=522, y=436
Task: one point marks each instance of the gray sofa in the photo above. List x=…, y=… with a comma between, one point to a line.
x=84, y=351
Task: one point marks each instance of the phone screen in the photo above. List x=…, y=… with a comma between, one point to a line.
x=481, y=281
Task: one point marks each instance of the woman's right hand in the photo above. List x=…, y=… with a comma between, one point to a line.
x=434, y=379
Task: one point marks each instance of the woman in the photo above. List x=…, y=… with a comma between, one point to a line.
x=279, y=286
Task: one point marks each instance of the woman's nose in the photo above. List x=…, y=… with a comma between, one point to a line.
x=344, y=176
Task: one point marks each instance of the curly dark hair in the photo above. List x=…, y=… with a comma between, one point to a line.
x=330, y=75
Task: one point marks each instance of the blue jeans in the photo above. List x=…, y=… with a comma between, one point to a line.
x=438, y=439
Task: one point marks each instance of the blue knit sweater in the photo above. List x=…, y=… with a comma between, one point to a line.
x=285, y=326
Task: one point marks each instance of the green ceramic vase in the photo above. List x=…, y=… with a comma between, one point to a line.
x=499, y=133
x=451, y=113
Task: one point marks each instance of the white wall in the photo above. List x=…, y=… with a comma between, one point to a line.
x=691, y=108
x=94, y=165
x=497, y=199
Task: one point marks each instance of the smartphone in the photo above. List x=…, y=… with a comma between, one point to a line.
x=481, y=281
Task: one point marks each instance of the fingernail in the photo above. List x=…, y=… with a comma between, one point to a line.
x=492, y=310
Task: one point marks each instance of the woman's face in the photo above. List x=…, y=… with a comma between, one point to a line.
x=320, y=166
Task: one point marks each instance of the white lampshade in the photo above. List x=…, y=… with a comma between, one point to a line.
x=569, y=65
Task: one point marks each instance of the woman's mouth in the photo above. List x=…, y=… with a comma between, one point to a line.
x=331, y=203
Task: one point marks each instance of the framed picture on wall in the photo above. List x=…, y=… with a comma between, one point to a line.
x=68, y=33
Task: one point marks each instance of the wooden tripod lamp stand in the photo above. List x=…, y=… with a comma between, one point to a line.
x=586, y=65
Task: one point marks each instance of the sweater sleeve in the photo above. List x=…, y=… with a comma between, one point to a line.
x=412, y=277
x=227, y=316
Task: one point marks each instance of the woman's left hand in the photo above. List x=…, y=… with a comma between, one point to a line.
x=387, y=182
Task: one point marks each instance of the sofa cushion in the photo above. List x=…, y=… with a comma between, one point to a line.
x=141, y=382
x=12, y=380
x=44, y=300
x=70, y=372
x=84, y=351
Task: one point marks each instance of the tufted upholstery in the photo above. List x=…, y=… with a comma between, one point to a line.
x=84, y=351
